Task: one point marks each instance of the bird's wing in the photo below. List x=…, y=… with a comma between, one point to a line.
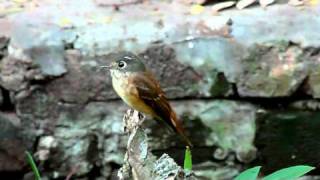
x=151, y=94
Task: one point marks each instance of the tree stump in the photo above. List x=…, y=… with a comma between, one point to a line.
x=139, y=162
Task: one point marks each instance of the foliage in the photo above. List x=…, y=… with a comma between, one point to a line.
x=249, y=174
x=187, y=160
x=289, y=173
x=33, y=166
x=292, y=173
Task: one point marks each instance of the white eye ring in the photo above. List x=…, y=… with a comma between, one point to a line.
x=122, y=64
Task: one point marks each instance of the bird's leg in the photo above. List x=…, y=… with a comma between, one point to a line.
x=140, y=116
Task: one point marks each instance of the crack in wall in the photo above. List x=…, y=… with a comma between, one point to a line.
x=7, y=104
x=4, y=42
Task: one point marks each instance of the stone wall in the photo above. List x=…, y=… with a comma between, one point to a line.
x=244, y=82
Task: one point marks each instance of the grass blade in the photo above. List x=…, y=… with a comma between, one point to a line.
x=33, y=166
x=291, y=173
x=249, y=174
x=187, y=160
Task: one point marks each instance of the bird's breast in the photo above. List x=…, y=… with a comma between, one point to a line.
x=125, y=88
x=120, y=83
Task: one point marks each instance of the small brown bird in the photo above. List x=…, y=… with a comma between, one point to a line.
x=138, y=88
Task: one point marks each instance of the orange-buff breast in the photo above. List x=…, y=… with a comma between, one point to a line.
x=130, y=96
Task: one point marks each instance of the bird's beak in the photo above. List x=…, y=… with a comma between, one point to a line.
x=101, y=68
x=107, y=67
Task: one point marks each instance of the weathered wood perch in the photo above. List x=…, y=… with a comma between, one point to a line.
x=140, y=163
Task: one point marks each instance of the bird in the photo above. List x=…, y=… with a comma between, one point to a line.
x=139, y=89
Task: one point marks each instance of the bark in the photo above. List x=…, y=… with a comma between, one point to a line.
x=140, y=163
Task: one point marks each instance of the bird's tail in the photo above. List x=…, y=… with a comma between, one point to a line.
x=185, y=138
x=179, y=128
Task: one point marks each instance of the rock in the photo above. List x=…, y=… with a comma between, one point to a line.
x=3, y=42
x=212, y=63
x=85, y=80
x=49, y=65
x=272, y=71
x=13, y=145
x=190, y=1
x=203, y=48
x=291, y=136
x=310, y=178
x=115, y=2
x=46, y=144
x=164, y=63
x=50, y=60
x=44, y=48
x=38, y=111
x=313, y=81
x=309, y=105
x=166, y=168
x=227, y=131
x=12, y=74
x=224, y=127
x=1, y=98
x=16, y=74
x=270, y=31
x=210, y=170
x=91, y=138
x=6, y=27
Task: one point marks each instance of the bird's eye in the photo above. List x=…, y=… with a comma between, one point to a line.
x=122, y=64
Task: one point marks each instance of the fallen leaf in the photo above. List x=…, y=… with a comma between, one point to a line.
x=244, y=3
x=295, y=2
x=314, y=2
x=114, y=2
x=65, y=22
x=19, y=1
x=196, y=9
x=191, y=1
x=106, y=20
x=265, y=3
x=8, y=11
x=219, y=6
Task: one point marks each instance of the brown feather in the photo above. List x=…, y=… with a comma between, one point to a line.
x=150, y=92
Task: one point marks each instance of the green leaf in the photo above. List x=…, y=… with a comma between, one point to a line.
x=187, y=160
x=291, y=173
x=249, y=174
x=33, y=166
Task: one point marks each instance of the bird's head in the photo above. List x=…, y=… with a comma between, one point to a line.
x=125, y=62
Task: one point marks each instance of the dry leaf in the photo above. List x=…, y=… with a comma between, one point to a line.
x=114, y=2
x=8, y=11
x=244, y=3
x=19, y=1
x=219, y=6
x=196, y=9
x=265, y=3
x=314, y=2
x=106, y=20
x=191, y=1
x=65, y=22
x=295, y=2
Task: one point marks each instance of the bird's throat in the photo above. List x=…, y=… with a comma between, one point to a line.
x=125, y=88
